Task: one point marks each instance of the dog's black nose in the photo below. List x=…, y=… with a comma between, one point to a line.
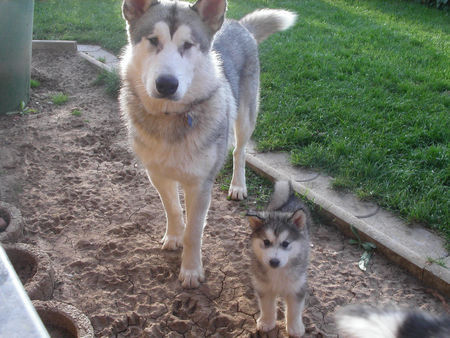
x=274, y=262
x=166, y=85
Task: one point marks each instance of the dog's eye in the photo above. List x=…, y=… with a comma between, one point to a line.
x=187, y=45
x=285, y=244
x=154, y=41
x=266, y=243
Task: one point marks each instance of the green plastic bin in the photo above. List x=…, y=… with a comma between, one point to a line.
x=16, y=29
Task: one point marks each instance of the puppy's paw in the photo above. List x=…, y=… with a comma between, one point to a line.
x=237, y=193
x=191, y=278
x=296, y=329
x=265, y=325
x=171, y=242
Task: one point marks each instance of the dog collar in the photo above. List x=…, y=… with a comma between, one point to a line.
x=187, y=117
x=189, y=120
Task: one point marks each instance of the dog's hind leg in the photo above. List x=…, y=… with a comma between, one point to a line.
x=243, y=129
x=198, y=198
x=168, y=192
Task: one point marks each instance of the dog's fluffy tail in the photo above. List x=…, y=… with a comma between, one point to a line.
x=358, y=321
x=282, y=191
x=264, y=22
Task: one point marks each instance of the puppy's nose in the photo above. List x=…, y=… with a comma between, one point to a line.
x=166, y=85
x=274, y=262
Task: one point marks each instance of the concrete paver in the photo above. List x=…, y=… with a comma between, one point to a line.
x=99, y=54
x=57, y=45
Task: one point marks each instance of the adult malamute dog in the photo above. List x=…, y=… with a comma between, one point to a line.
x=187, y=75
x=364, y=321
x=280, y=249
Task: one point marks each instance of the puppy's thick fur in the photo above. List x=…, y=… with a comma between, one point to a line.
x=188, y=76
x=280, y=248
x=364, y=321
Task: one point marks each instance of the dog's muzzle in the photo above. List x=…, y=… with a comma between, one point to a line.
x=166, y=85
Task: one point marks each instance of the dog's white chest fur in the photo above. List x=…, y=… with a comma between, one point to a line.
x=280, y=281
x=182, y=162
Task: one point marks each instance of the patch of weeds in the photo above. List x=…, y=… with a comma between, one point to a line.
x=23, y=110
x=365, y=195
x=60, y=99
x=101, y=59
x=34, y=83
x=110, y=80
x=368, y=248
x=438, y=261
x=341, y=184
x=259, y=189
x=76, y=112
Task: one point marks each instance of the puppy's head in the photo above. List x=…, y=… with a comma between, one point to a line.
x=278, y=237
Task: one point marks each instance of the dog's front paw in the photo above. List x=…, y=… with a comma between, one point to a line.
x=296, y=330
x=191, y=278
x=265, y=326
x=171, y=242
x=237, y=193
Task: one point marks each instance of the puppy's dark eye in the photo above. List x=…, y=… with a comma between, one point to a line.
x=285, y=244
x=187, y=45
x=154, y=41
x=266, y=243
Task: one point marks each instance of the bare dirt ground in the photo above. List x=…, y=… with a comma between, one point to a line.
x=87, y=202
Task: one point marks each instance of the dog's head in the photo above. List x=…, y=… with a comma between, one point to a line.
x=279, y=237
x=169, y=41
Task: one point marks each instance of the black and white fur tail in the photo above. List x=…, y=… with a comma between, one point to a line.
x=362, y=321
x=282, y=192
x=284, y=200
x=264, y=22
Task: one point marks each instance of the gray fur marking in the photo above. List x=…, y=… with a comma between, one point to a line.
x=174, y=15
x=239, y=54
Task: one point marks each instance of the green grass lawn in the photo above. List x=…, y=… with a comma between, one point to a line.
x=357, y=89
x=86, y=21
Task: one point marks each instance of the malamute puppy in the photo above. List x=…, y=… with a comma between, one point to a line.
x=188, y=75
x=363, y=321
x=280, y=248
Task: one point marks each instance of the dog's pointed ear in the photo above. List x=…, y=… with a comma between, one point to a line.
x=133, y=9
x=255, y=220
x=299, y=218
x=212, y=12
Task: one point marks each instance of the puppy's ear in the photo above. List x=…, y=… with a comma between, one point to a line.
x=212, y=12
x=255, y=220
x=133, y=9
x=298, y=218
